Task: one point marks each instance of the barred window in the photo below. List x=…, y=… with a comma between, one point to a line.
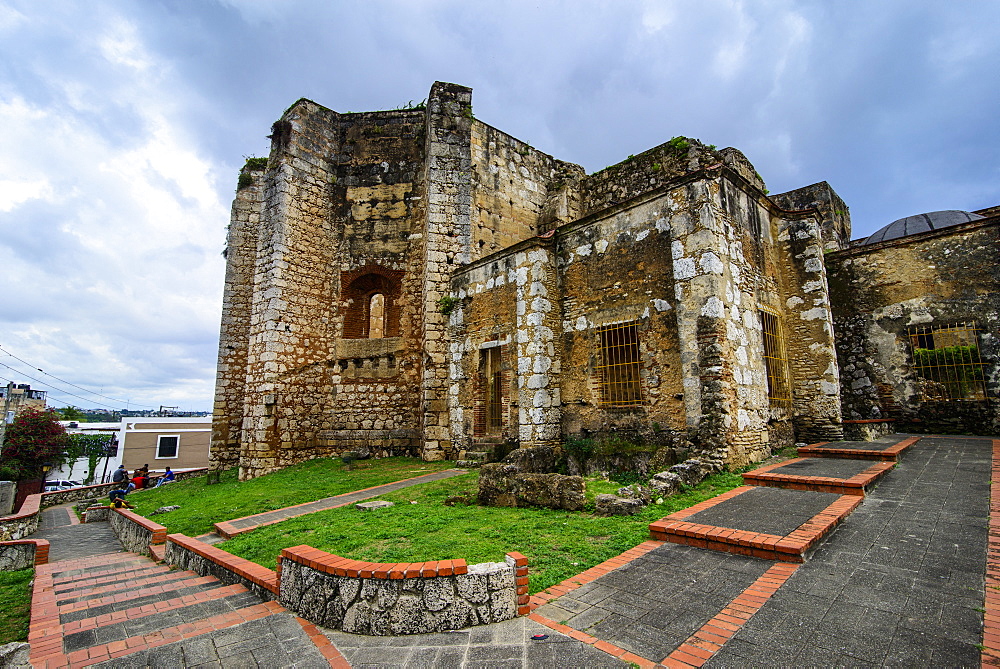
x=619, y=365
x=775, y=360
x=947, y=362
x=491, y=393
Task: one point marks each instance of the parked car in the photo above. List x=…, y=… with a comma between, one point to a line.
x=61, y=484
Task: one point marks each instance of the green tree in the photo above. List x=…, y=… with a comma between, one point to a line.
x=33, y=439
x=70, y=412
x=90, y=446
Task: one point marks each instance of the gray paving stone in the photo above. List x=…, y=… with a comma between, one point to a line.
x=768, y=510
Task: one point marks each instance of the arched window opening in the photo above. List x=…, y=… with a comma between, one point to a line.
x=371, y=306
x=376, y=316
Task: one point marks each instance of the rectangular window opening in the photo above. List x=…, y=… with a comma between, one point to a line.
x=947, y=362
x=166, y=447
x=775, y=361
x=619, y=365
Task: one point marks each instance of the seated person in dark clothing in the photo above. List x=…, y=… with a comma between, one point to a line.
x=118, y=500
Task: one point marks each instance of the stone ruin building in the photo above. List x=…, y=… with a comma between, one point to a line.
x=418, y=282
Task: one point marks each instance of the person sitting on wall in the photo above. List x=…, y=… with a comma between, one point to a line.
x=138, y=480
x=118, y=500
x=168, y=477
x=120, y=474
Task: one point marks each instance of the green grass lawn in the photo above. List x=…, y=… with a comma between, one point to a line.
x=201, y=504
x=558, y=544
x=15, y=604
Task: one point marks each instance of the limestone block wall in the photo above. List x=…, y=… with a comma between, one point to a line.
x=342, y=201
x=616, y=268
x=718, y=248
x=879, y=291
x=815, y=373
x=231, y=370
x=518, y=191
x=447, y=244
x=654, y=168
x=831, y=211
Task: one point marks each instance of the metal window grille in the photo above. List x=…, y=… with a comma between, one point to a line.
x=775, y=360
x=494, y=390
x=947, y=362
x=619, y=365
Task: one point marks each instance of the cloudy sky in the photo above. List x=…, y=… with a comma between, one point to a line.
x=123, y=124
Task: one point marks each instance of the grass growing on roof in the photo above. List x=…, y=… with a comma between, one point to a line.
x=15, y=604
x=202, y=505
x=558, y=544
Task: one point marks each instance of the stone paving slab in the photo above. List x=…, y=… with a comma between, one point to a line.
x=834, y=475
x=506, y=644
x=651, y=605
x=72, y=541
x=231, y=528
x=901, y=581
x=769, y=523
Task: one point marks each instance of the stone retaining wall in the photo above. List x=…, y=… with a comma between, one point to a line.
x=136, y=533
x=868, y=430
x=206, y=560
x=22, y=523
x=15, y=555
x=393, y=599
x=96, y=514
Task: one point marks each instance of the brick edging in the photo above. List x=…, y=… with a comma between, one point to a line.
x=592, y=574
x=890, y=454
x=253, y=572
x=698, y=648
x=991, y=617
x=789, y=548
x=855, y=485
x=227, y=530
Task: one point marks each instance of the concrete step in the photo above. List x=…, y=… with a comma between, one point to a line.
x=836, y=475
x=889, y=448
x=762, y=522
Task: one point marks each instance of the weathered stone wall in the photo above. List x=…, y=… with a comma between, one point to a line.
x=880, y=290
x=809, y=338
x=647, y=171
x=391, y=599
x=24, y=522
x=341, y=202
x=830, y=210
x=135, y=533
x=616, y=268
x=518, y=191
x=23, y=554
x=8, y=491
x=234, y=337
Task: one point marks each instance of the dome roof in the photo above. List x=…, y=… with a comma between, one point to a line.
x=911, y=225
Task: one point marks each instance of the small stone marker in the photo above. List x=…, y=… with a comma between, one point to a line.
x=377, y=504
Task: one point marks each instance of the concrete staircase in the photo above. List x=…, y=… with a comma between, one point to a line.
x=481, y=451
x=97, y=610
